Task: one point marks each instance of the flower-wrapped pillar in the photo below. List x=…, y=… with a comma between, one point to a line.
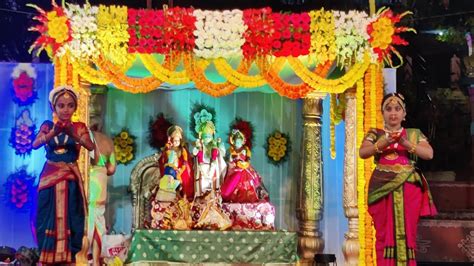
x=82, y=114
x=350, y=247
x=310, y=199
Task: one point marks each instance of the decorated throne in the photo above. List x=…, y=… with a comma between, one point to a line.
x=280, y=247
x=141, y=180
x=245, y=216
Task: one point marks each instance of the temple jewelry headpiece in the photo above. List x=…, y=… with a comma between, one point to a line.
x=235, y=134
x=67, y=91
x=208, y=127
x=175, y=131
x=395, y=98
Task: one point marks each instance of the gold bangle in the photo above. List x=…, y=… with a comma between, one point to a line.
x=377, y=148
x=412, y=149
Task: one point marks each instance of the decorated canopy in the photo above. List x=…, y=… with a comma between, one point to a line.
x=244, y=48
x=247, y=48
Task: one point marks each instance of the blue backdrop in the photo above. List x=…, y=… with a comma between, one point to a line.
x=16, y=224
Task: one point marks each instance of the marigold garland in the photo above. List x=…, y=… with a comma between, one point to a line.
x=338, y=85
x=90, y=74
x=379, y=92
x=63, y=73
x=277, y=147
x=69, y=72
x=262, y=33
x=57, y=70
x=235, y=77
x=291, y=91
x=373, y=69
x=202, y=83
x=361, y=196
x=369, y=122
x=368, y=111
x=165, y=71
x=285, y=89
x=123, y=82
x=125, y=147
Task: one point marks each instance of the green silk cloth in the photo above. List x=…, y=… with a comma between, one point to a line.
x=196, y=246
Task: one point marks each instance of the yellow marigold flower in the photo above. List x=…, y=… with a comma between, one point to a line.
x=57, y=28
x=129, y=141
x=281, y=153
x=123, y=143
x=277, y=135
x=51, y=15
x=124, y=135
x=271, y=140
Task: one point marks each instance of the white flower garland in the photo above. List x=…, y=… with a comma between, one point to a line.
x=351, y=36
x=84, y=45
x=219, y=33
x=24, y=67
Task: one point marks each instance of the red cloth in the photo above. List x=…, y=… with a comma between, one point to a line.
x=185, y=167
x=382, y=213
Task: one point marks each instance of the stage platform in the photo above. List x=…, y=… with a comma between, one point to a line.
x=162, y=247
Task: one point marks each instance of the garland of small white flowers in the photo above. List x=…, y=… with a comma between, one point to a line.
x=219, y=33
x=351, y=36
x=84, y=44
